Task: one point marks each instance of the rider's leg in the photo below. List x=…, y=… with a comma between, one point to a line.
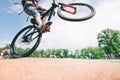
x=38, y=21
x=43, y=21
x=30, y=10
x=47, y=24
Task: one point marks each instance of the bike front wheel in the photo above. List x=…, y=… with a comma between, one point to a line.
x=26, y=41
x=83, y=12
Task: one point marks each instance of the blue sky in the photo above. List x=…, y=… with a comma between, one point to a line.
x=64, y=34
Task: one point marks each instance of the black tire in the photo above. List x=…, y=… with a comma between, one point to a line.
x=89, y=15
x=27, y=51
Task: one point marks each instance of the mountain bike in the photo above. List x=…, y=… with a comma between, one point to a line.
x=30, y=36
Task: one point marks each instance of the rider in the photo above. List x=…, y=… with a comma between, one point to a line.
x=32, y=8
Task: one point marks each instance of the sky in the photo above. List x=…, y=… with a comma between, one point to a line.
x=64, y=34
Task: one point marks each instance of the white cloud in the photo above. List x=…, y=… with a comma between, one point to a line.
x=3, y=43
x=15, y=8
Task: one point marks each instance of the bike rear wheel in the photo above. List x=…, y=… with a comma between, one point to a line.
x=83, y=12
x=26, y=40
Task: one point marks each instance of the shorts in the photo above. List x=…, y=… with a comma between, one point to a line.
x=32, y=11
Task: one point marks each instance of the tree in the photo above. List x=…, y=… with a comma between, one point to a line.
x=77, y=54
x=84, y=53
x=92, y=53
x=110, y=41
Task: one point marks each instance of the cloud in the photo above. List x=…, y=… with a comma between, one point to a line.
x=15, y=8
x=108, y=14
x=4, y=43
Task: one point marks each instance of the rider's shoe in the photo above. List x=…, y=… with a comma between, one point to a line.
x=47, y=27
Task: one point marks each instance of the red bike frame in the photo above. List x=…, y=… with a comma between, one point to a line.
x=70, y=6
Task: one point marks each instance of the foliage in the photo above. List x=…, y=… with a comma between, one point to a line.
x=110, y=41
x=51, y=53
x=92, y=53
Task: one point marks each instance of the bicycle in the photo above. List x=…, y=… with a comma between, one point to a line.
x=30, y=36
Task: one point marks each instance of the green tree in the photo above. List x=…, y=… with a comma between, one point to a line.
x=92, y=53
x=110, y=41
x=77, y=54
x=84, y=53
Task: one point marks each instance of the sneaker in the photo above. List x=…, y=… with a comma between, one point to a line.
x=47, y=27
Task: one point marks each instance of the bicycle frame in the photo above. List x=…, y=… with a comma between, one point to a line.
x=50, y=11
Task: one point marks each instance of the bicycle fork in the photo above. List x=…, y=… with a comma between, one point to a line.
x=68, y=5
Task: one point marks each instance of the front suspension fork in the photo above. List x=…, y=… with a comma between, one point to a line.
x=68, y=5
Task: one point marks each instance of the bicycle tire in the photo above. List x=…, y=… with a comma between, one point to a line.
x=33, y=48
x=61, y=15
